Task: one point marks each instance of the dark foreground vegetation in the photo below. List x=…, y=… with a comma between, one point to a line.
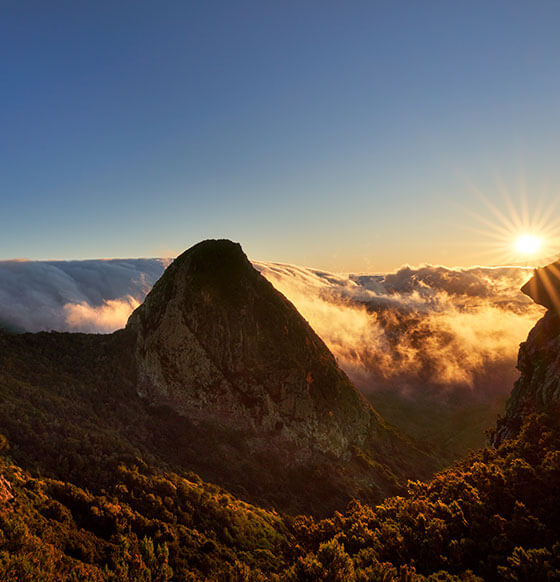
x=493, y=517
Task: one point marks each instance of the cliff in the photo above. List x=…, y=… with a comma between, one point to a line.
x=216, y=343
x=538, y=387
x=216, y=373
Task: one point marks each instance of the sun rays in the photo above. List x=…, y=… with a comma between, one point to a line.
x=525, y=231
x=543, y=287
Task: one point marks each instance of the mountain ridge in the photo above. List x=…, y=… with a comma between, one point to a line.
x=213, y=414
x=217, y=342
x=213, y=291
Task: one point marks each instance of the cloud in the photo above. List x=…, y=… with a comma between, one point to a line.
x=112, y=314
x=433, y=348
x=88, y=296
x=431, y=329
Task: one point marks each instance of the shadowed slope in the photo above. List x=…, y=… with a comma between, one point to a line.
x=216, y=373
x=215, y=339
x=538, y=387
x=218, y=344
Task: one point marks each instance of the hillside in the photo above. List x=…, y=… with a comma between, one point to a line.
x=538, y=388
x=396, y=335
x=493, y=517
x=99, y=482
x=216, y=373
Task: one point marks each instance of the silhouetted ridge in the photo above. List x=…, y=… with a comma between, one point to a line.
x=217, y=343
x=216, y=373
x=98, y=484
x=215, y=338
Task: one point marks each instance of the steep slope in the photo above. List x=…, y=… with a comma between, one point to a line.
x=147, y=526
x=538, y=387
x=218, y=344
x=70, y=411
x=216, y=340
x=216, y=373
x=95, y=486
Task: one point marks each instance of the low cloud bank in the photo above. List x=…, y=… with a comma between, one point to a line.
x=86, y=296
x=434, y=349
x=439, y=329
x=112, y=314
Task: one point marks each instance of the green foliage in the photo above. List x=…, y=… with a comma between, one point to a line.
x=331, y=564
x=495, y=516
x=53, y=530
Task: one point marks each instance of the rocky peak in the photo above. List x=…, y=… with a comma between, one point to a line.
x=217, y=343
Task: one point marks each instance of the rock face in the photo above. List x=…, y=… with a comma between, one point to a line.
x=216, y=374
x=220, y=346
x=544, y=287
x=538, y=387
x=216, y=342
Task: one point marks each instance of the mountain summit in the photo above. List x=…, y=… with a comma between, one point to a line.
x=217, y=374
x=216, y=341
x=218, y=344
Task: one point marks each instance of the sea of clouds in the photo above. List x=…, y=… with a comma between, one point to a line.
x=436, y=327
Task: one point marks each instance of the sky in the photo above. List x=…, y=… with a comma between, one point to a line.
x=350, y=136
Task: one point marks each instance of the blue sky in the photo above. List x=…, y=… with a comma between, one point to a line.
x=341, y=135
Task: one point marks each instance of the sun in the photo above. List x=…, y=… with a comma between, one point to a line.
x=523, y=232
x=528, y=244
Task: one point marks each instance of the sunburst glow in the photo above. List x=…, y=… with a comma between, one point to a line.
x=518, y=233
x=528, y=244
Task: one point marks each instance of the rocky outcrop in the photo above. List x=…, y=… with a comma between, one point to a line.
x=219, y=345
x=216, y=341
x=544, y=287
x=538, y=387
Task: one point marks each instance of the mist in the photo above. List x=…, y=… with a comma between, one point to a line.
x=433, y=348
x=95, y=296
x=432, y=326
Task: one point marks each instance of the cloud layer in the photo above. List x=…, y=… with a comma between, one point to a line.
x=433, y=348
x=87, y=296
x=434, y=327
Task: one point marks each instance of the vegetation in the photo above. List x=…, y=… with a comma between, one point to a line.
x=70, y=411
x=493, y=517
x=96, y=486
x=147, y=526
